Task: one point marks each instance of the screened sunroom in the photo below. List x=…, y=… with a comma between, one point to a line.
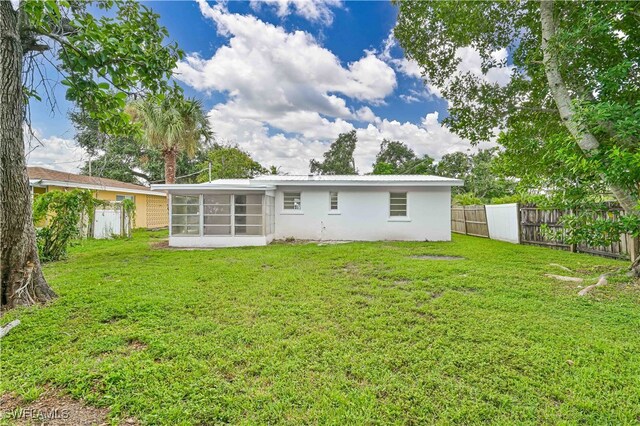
x=221, y=218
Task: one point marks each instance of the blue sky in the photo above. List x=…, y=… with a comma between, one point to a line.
x=283, y=78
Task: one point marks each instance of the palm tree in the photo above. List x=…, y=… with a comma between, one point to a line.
x=172, y=125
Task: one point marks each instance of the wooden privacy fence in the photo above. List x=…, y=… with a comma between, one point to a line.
x=470, y=220
x=473, y=220
x=532, y=218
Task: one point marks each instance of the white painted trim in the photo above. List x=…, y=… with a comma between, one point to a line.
x=219, y=241
x=263, y=185
x=45, y=182
x=399, y=219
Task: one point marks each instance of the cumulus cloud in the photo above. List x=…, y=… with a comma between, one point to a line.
x=288, y=97
x=262, y=59
x=470, y=62
x=312, y=10
x=53, y=153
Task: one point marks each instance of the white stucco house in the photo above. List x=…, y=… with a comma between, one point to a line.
x=252, y=212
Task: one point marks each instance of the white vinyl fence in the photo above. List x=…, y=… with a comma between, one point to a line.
x=503, y=222
x=111, y=221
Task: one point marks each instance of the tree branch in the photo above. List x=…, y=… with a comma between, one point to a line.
x=586, y=140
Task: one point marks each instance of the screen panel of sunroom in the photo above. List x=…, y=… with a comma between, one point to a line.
x=248, y=219
x=185, y=215
x=217, y=214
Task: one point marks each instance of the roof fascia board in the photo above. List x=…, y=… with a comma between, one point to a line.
x=273, y=185
x=45, y=182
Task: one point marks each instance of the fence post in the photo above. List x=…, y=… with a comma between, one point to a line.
x=633, y=245
x=464, y=217
x=123, y=231
x=572, y=247
x=519, y=216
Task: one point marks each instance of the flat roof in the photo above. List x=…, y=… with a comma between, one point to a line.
x=270, y=182
x=355, y=178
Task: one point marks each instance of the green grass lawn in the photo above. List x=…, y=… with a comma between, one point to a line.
x=358, y=333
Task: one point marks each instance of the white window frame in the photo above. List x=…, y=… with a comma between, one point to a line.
x=230, y=215
x=292, y=211
x=200, y=217
x=233, y=217
x=331, y=209
x=404, y=218
x=126, y=197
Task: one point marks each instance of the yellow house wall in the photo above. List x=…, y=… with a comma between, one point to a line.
x=151, y=210
x=147, y=208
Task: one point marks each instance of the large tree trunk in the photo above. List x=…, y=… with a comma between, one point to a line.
x=170, y=165
x=586, y=140
x=22, y=279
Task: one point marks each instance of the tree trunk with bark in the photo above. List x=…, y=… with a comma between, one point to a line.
x=170, y=156
x=587, y=142
x=21, y=274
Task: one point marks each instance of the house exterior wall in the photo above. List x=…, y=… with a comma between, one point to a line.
x=364, y=214
x=151, y=210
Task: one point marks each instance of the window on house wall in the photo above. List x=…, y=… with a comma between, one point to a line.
x=124, y=197
x=185, y=215
x=217, y=214
x=333, y=201
x=248, y=214
x=398, y=204
x=292, y=201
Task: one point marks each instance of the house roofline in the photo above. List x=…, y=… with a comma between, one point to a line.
x=266, y=185
x=46, y=182
x=207, y=187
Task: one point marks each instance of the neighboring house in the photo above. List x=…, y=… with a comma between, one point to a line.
x=243, y=212
x=151, y=207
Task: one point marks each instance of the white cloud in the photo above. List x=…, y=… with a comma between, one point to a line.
x=287, y=96
x=312, y=10
x=271, y=69
x=53, y=153
x=429, y=137
x=365, y=114
x=470, y=62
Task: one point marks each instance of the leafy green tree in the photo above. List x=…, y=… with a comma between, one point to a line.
x=571, y=107
x=229, y=162
x=394, y=154
x=456, y=165
x=172, y=125
x=103, y=60
x=125, y=157
x=479, y=173
x=483, y=179
x=274, y=170
x=338, y=160
x=397, y=158
x=382, y=168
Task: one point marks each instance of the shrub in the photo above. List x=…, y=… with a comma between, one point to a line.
x=63, y=211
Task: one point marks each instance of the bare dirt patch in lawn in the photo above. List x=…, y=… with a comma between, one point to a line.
x=53, y=409
x=136, y=345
